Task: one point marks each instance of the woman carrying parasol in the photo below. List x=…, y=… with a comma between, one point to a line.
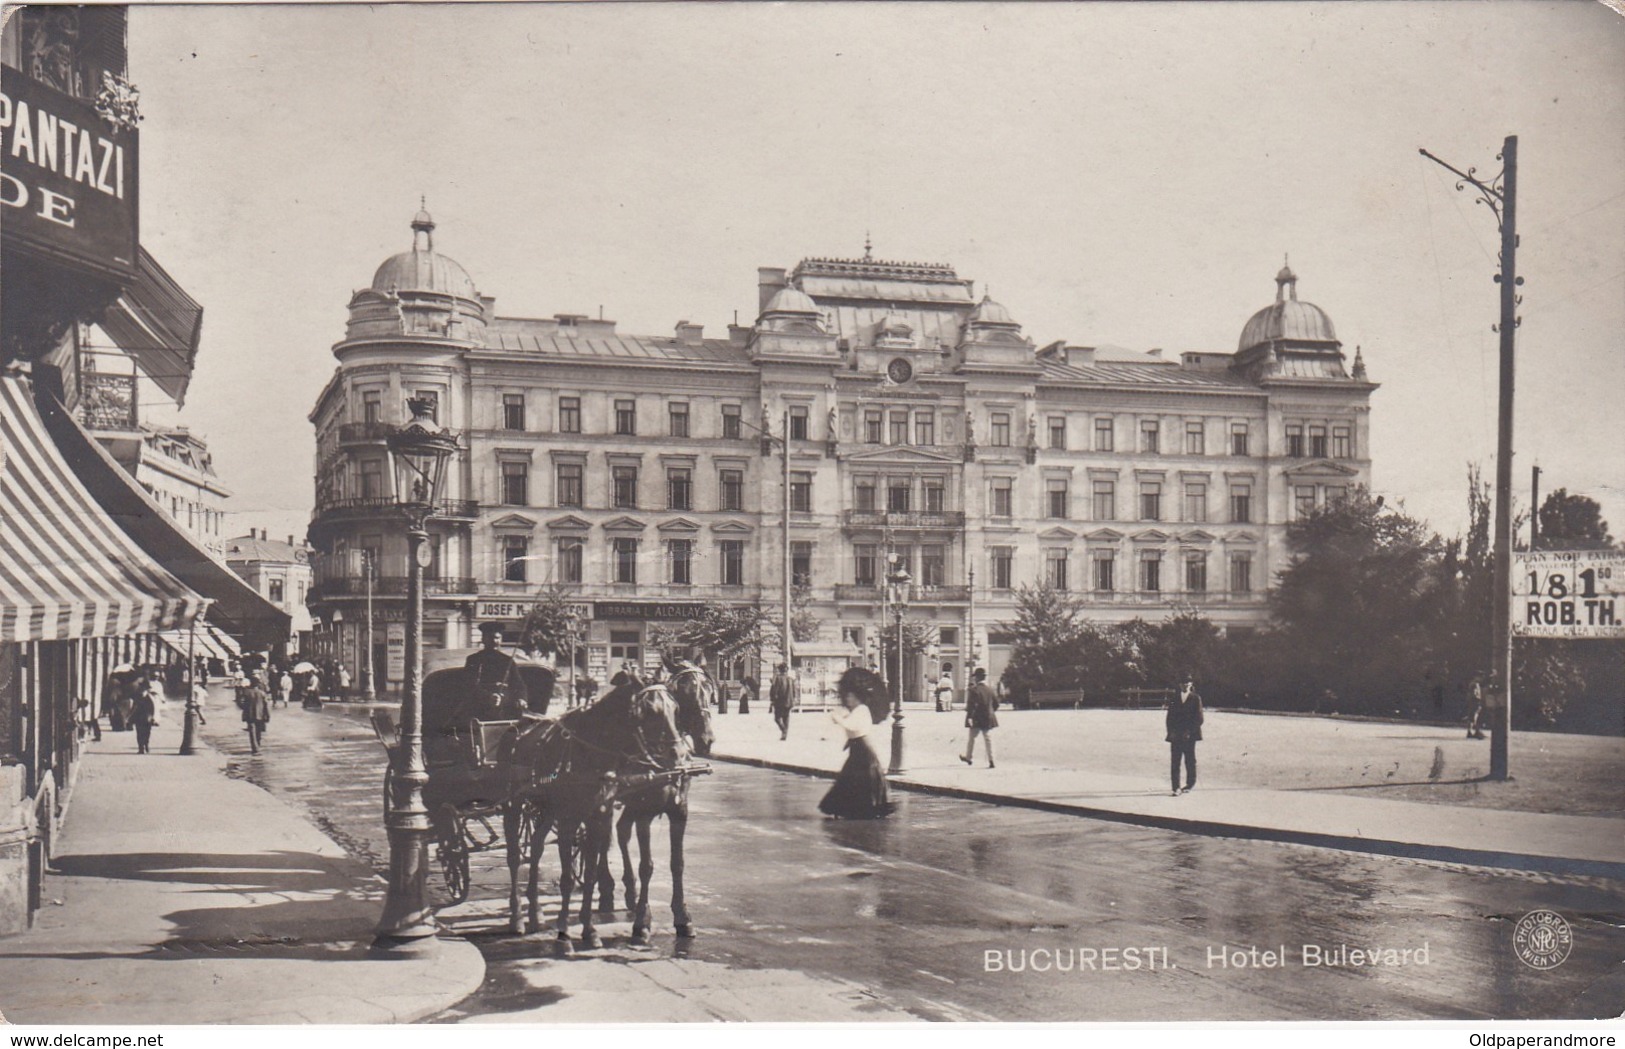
x=860, y=790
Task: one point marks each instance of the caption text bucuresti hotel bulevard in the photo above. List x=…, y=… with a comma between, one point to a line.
x=1125, y=958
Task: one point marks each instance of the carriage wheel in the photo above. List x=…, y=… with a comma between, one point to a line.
x=452, y=852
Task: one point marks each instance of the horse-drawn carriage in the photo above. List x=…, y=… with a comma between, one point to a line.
x=502, y=774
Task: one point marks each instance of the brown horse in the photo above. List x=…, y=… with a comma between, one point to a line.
x=689, y=686
x=563, y=776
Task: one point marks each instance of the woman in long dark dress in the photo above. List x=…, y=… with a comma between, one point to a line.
x=860, y=791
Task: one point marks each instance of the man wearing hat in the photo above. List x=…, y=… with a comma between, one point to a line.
x=494, y=670
x=980, y=716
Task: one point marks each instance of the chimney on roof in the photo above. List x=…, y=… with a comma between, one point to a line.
x=290, y=541
x=768, y=282
x=1155, y=351
x=690, y=333
x=739, y=334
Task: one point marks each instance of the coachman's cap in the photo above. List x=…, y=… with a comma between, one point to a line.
x=489, y=630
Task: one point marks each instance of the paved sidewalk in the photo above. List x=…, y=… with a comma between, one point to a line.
x=181, y=896
x=1336, y=815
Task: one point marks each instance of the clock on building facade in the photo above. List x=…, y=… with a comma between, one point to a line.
x=899, y=371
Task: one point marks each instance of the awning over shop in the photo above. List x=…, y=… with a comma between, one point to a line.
x=158, y=324
x=66, y=569
x=238, y=608
x=226, y=643
x=181, y=643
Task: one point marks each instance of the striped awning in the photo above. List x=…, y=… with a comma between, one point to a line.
x=181, y=643
x=66, y=569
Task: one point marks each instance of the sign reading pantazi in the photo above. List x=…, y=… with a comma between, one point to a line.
x=1568, y=593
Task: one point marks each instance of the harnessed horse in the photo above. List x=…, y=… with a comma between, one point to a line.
x=690, y=687
x=565, y=774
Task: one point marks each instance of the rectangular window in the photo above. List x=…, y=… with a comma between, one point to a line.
x=935, y=497
x=1196, y=573
x=1238, y=439
x=871, y=426
x=372, y=406
x=1004, y=567
x=863, y=564
x=1057, y=498
x=1002, y=500
x=1151, y=574
x=626, y=418
x=513, y=411
x=1105, y=500
x=1057, y=431
x=569, y=415
x=515, y=551
x=626, y=559
x=677, y=417
x=625, y=487
x=899, y=427
x=274, y=587
x=866, y=495
x=801, y=554
x=515, y=484
x=1335, y=494
x=1104, y=434
x=1294, y=440
x=948, y=636
x=1055, y=568
x=372, y=478
x=679, y=489
x=1195, y=439
x=933, y=566
x=1196, y=503
x=1342, y=446
x=1106, y=573
x=798, y=422
x=1150, y=435
x=1317, y=442
x=680, y=558
x=732, y=422
x=801, y=493
x=572, y=559
x=733, y=489
x=897, y=493
x=1241, y=503
x=570, y=484
x=1000, y=426
x=925, y=428
x=433, y=399
x=1150, y=501
x=1303, y=500
x=1241, y=573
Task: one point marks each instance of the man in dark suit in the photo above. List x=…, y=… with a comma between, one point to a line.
x=781, y=696
x=496, y=677
x=1184, y=723
x=980, y=716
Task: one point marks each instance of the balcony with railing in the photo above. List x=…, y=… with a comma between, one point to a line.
x=390, y=586
x=352, y=433
x=916, y=594
x=373, y=505
x=938, y=520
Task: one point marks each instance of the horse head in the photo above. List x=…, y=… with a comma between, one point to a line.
x=693, y=711
x=653, y=714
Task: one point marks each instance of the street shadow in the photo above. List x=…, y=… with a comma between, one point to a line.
x=1393, y=783
x=274, y=871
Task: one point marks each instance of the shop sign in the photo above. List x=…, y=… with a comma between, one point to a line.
x=646, y=611
x=68, y=183
x=1568, y=594
x=488, y=608
x=395, y=652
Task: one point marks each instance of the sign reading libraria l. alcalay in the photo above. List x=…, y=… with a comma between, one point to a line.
x=1568, y=593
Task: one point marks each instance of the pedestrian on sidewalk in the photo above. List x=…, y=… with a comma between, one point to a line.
x=860, y=791
x=256, y=708
x=144, y=713
x=1475, y=701
x=285, y=687
x=945, y=688
x=1184, y=723
x=981, y=717
x=344, y=681
x=781, y=696
x=748, y=690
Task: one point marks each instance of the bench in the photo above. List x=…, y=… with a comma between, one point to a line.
x=1070, y=698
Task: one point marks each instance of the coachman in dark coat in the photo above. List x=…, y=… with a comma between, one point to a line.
x=1184, y=729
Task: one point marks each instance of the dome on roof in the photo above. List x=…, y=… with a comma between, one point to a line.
x=423, y=268
x=989, y=312
x=790, y=299
x=1287, y=319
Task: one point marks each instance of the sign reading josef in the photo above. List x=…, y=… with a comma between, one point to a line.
x=1568, y=593
x=69, y=181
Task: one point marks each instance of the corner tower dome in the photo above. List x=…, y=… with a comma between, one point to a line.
x=1288, y=320
x=423, y=269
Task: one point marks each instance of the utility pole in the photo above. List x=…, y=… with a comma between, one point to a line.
x=369, y=686
x=789, y=635
x=1534, y=509
x=1500, y=193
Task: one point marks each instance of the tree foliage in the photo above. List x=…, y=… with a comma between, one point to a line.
x=725, y=630
x=551, y=625
x=1573, y=522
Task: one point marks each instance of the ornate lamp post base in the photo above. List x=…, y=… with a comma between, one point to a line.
x=896, y=744
x=407, y=928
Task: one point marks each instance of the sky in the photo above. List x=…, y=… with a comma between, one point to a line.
x=1128, y=174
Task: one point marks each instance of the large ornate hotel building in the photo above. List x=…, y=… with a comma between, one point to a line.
x=922, y=422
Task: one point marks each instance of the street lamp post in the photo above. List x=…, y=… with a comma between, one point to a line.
x=369, y=688
x=418, y=453
x=900, y=579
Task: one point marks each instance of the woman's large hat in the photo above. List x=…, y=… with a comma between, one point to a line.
x=870, y=690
